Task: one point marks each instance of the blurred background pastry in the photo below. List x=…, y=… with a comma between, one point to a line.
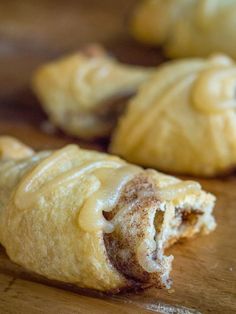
x=183, y=120
x=187, y=27
x=84, y=93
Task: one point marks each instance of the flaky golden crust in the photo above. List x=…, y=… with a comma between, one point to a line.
x=83, y=94
x=183, y=119
x=187, y=28
x=92, y=220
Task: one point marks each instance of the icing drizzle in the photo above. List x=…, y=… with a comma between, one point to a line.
x=175, y=191
x=62, y=168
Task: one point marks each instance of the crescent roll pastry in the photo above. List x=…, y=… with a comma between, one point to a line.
x=183, y=120
x=84, y=93
x=95, y=221
x=187, y=28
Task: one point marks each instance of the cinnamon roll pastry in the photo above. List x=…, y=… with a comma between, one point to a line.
x=187, y=28
x=83, y=94
x=93, y=220
x=183, y=120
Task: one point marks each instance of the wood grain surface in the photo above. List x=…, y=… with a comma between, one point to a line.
x=204, y=269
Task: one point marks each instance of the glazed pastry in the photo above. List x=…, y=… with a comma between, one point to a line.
x=84, y=93
x=187, y=28
x=95, y=221
x=183, y=119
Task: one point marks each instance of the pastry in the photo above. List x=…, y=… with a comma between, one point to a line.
x=84, y=93
x=183, y=120
x=93, y=220
x=12, y=148
x=187, y=28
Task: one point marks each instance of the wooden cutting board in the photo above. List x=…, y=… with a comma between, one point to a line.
x=204, y=269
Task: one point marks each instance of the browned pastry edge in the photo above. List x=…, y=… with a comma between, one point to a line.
x=93, y=50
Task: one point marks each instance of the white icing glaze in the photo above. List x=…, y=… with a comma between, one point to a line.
x=175, y=191
x=106, y=197
x=112, y=174
x=11, y=148
x=215, y=88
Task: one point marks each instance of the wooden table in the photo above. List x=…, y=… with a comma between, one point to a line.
x=204, y=268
